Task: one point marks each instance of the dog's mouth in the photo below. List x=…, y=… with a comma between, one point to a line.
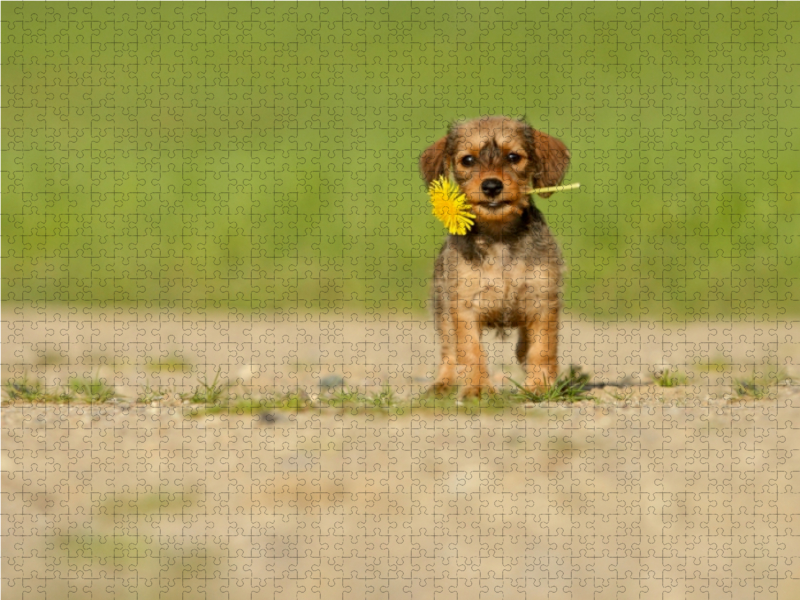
x=494, y=203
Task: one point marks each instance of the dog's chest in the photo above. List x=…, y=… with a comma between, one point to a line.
x=502, y=282
x=501, y=274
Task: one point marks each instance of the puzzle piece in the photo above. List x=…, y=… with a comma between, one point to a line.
x=217, y=327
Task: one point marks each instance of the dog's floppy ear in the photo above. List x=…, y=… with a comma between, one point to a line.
x=433, y=162
x=552, y=159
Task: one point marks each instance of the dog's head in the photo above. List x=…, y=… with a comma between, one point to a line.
x=496, y=162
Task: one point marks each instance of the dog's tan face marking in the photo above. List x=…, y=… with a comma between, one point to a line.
x=495, y=149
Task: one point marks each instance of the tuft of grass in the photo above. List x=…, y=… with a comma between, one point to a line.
x=758, y=383
x=208, y=394
x=92, y=390
x=750, y=388
x=24, y=389
x=669, y=378
x=384, y=400
x=570, y=387
x=89, y=390
x=29, y=390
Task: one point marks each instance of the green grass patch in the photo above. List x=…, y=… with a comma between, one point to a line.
x=569, y=387
x=31, y=390
x=242, y=194
x=24, y=389
x=253, y=406
x=451, y=403
x=669, y=378
x=385, y=399
x=750, y=388
x=208, y=393
x=91, y=390
x=343, y=400
x=758, y=383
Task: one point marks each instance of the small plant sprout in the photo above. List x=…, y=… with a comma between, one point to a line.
x=668, y=377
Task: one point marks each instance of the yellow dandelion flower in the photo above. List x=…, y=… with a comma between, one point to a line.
x=450, y=206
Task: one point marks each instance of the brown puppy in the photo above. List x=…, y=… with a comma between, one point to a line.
x=506, y=271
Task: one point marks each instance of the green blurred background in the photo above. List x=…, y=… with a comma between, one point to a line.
x=264, y=157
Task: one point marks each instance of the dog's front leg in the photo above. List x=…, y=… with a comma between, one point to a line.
x=467, y=328
x=446, y=377
x=538, y=349
x=460, y=333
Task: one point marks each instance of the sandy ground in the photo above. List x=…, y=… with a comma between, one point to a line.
x=257, y=354
x=638, y=492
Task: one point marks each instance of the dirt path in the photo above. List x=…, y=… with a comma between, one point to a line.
x=169, y=351
x=640, y=492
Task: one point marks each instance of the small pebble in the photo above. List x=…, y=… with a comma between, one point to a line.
x=267, y=417
x=331, y=381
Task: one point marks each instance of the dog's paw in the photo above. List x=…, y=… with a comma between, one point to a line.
x=440, y=388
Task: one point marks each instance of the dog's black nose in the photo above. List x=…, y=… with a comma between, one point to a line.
x=492, y=187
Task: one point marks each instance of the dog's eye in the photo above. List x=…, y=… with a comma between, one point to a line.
x=468, y=161
x=513, y=158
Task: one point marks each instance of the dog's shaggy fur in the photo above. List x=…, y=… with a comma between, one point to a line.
x=506, y=271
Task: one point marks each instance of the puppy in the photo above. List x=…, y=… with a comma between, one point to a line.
x=506, y=271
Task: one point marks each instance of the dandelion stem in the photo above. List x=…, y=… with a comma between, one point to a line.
x=555, y=188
